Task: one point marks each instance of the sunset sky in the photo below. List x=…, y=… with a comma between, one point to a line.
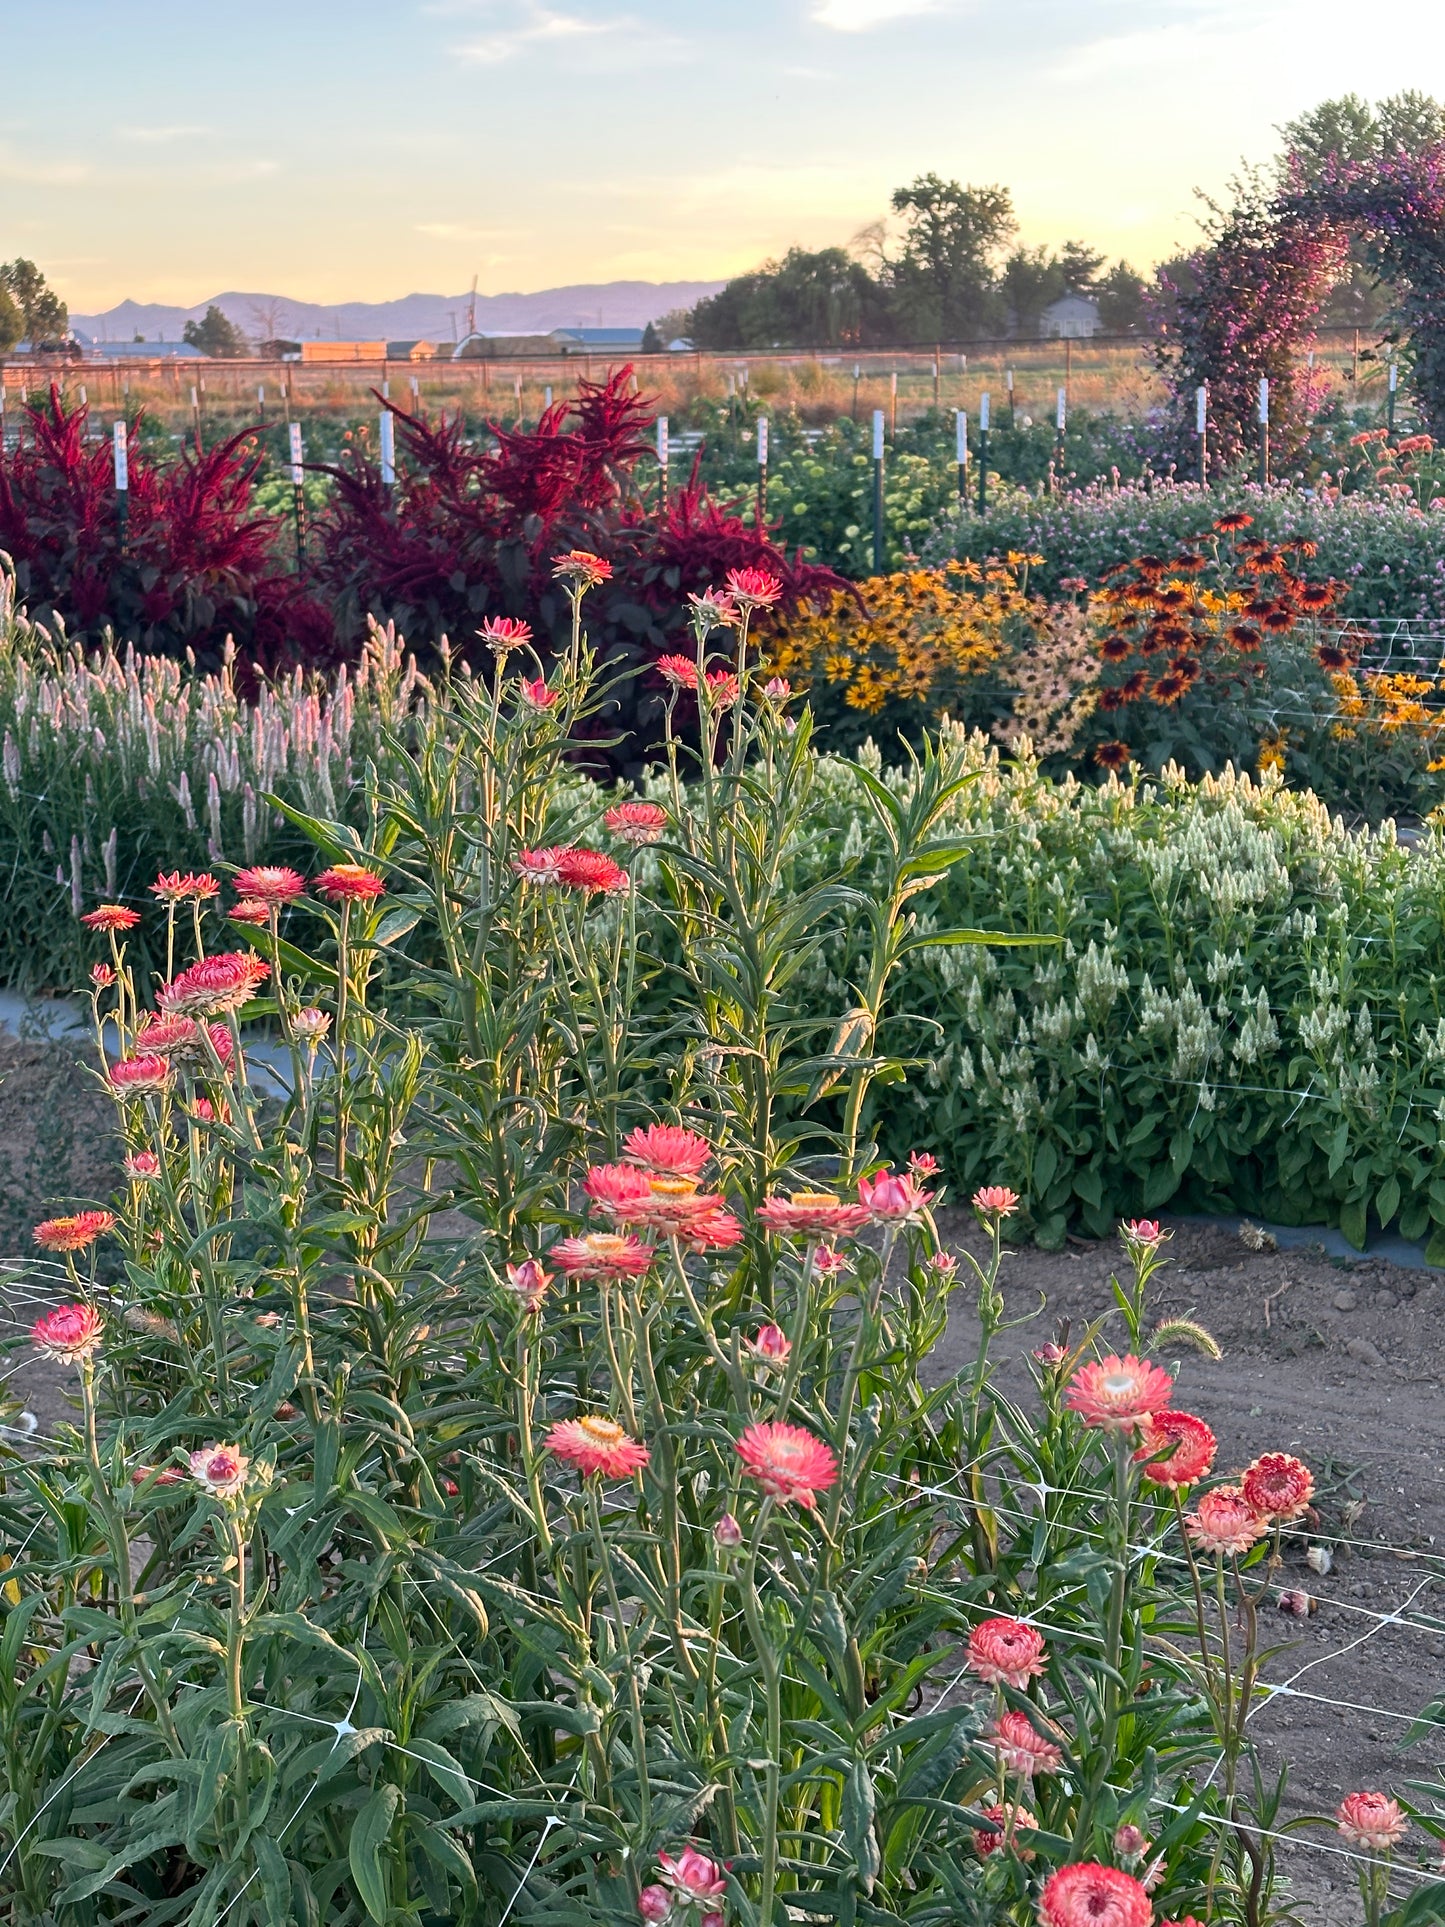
x=364, y=150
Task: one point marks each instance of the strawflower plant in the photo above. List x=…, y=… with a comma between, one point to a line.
x=506, y=1485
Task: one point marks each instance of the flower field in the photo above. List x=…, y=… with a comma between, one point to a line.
x=507, y=1480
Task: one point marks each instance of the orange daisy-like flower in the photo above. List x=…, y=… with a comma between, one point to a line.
x=74, y=1233
x=1167, y=690
x=1117, y=1394
x=1090, y=1895
x=1022, y=1748
x=1008, y=1820
x=215, y=985
x=636, y=823
x=1278, y=1485
x=1229, y=524
x=350, y=883
x=788, y=1463
x=1112, y=755
x=1133, y=687
x=1006, y=1652
x=602, y=1254
x=141, y=1076
x=1115, y=648
x=812, y=1214
x=581, y=568
x=269, y=883
x=668, y=1149
x=68, y=1334
x=592, y=872
x=1190, y=1448
x=111, y=916
x=1372, y=1821
x=176, y=888
x=597, y=1445
x=1329, y=657
x=221, y=1469
x=995, y=1201
x=1244, y=636
x=1316, y=595
x=1224, y=1521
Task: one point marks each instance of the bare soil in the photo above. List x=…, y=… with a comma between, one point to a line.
x=1339, y=1361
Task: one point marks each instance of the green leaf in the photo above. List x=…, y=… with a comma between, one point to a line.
x=444, y=1769
x=858, y=1809
x=1008, y=939
x=1352, y=1222
x=369, y=1834
x=1387, y=1200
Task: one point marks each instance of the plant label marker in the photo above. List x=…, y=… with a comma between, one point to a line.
x=893, y=406
x=122, y=478
x=960, y=435
x=878, y=490
x=1264, y=431
x=1394, y=382
x=1008, y=382
x=388, y=449
x=662, y=453
x=547, y=393
x=298, y=502
x=983, y=453
x=762, y=469
x=1201, y=429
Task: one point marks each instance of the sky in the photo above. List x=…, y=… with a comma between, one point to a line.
x=372, y=148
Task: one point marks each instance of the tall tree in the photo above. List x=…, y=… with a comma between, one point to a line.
x=43, y=315
x=1032, y=279
x=944, y=276
x=1120, y=296
x=808, y=300
x=215, y=335
x=1080, y=264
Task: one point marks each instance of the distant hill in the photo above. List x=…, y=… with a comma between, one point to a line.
x=429, y=317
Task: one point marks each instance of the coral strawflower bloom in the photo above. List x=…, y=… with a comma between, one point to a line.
x=1008, y=1820
x=602, y=1254
x=215, y=985
x=536, y=694
x=1144, y=1231
x=597, y=1445
x=1118, y=1393
x=1006, y=1652
x=1372, y=1821
x=528, y=1284
x=350, y=883
x=812, y=1214
x=310, y=1025
x=679, y=671
x=770, y=1345
x=617, y=1189
x=789, y=1464
x=1278, y=1485
x=269, y=883
x=540, y=866
x=102, y=975
x=503, y=634
x=69, y=1334
x=191, y=887
x=694, y=1878
x=1090, y=1895
x=753, y=588
x=722, y=687
x=995, y=1201
x=1022, y=1748
x=715, y=1231
x=183, y=1037
x=669, y=1150
x=250, y=910
x=891, y=1199
x=221, y=1469
x=636, y=823
x=74, y=1233
x=111, y=916
x=1191, y=1453
x=943, y=1264
x=591, y=871
x=654, y=1904
x=142, y=1166
x=712, y=610
x=140, y=1076
x=581, y=568
x=1224, y=1521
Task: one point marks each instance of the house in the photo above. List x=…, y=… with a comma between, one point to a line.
x=411, y=351
x=1072, y=316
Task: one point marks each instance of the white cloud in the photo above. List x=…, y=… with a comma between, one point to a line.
x=158, y=136
x=541, y=28
x=860, y=16
x=459, y=231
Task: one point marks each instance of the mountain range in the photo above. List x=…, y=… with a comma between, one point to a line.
x=429, y=317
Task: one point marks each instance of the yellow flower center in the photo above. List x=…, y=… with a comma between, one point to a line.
x=604, y=1431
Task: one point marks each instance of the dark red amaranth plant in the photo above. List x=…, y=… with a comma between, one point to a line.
x=195, y=565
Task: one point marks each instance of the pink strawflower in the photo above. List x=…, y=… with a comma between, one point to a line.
x=142, y=1166
x=693, y=1877
x=717, y=1231
x=73, y=1233
x=215, y=985
x=350, y=883
x=667, y=1149
x=250, y=910
x=727, y=1533
x=770, y=1345
x=1089, y=1895
x=1224, y=1521
x=1008, y=1821
x=995, y=1201
x=102, y=975
x=1006, y=1652
x=713, y=610
x=221, y=1469
x=617, y=1189
x=597, y=1445
x=69, y=1334
x=636, y=823
x=1278, y=1485
x=528, y=1284
x=591, y=871
x=1192, y=1454
x=111, y=916
x=176, y=888
x=654, y=1904
x=891, y=1199
x=310, y=1025
x=505, y=633
x=777, y=689
x=923, y=1165
x=943, y=1264
x=602, y=1254
x=183, y=1037
x=788, y=1463
x=679, y=671
x=1129, y=1841
x=1117, y=1393
x=1372, y=1821
x=269, y=883
x=1147, y=1233
x=140, y=1076
x=581, y=568
x=722, y=687
x=672, y=1206
x=827, y=1262
x=753, y=588
x=812, y=1214
x=1022, y=1748
x=536, y=694
x=540, y=866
